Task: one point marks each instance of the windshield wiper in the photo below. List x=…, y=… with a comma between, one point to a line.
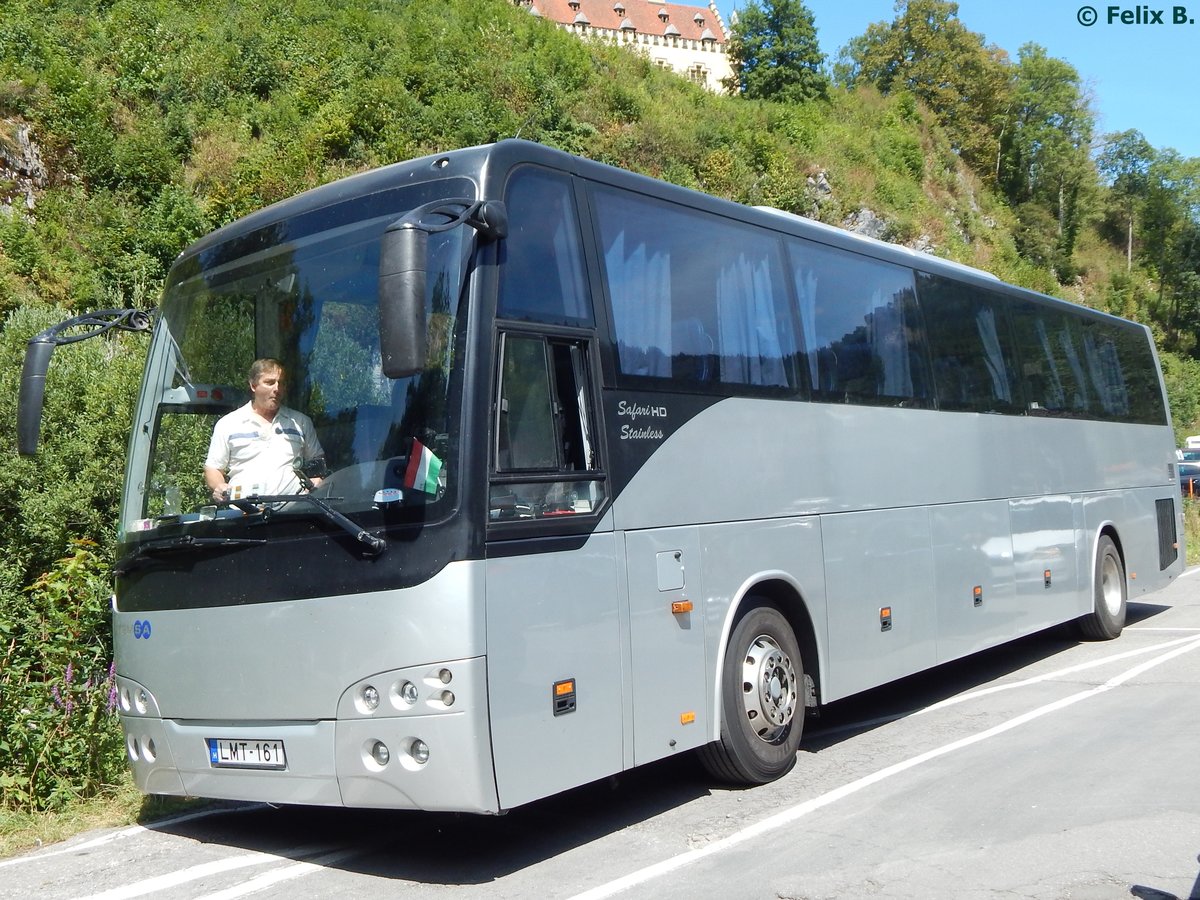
x=262, y=504
x=182, y=543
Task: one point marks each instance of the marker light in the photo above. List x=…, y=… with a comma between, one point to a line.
x=380, y=753
x=420, y=751
x=370, y=698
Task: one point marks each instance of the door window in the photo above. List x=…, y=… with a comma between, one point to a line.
x=546, y=456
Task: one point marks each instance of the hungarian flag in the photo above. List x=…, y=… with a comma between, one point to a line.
x=423, y=469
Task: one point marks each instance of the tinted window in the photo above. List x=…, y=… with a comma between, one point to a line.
x=541, y=264
x=1052, y=360
x=970, y=340
x=861, y=328
x=1120, y=366
x=695, y=298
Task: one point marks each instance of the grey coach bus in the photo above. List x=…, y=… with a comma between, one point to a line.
x=613, y=471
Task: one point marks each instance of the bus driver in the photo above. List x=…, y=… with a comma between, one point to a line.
x=257, y=448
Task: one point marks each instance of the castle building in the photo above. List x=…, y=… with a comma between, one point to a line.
x=690, y=40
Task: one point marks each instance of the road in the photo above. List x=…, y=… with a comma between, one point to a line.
x=1047, y=768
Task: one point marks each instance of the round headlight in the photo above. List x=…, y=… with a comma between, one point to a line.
x=420, y=751
x=380, y=753
x=408, y=692
x=370, y=698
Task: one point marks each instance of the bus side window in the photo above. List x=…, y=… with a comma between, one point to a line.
x=546, y=459
x=541, y=260
x=971, y=341
x=862, y=333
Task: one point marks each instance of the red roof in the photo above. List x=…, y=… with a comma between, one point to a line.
x=644, y=15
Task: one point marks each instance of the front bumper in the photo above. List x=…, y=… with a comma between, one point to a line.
x=331, y=762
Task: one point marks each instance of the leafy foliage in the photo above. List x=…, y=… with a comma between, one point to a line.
x=59, y=734
x=774, y=52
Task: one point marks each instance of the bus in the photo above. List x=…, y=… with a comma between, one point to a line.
x=613, y=471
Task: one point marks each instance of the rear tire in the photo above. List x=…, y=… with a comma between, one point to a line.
x=1109, y=592
x=762, y=701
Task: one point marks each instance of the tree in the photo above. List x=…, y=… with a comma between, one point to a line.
x=1125, y=164
x=1045, y=150
x=928, y=52
x=775, y=55
x=1171, y=237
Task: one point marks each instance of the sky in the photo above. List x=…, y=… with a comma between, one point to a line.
x=1140, y=74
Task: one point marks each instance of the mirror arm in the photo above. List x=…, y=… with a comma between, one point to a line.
x=40, y=348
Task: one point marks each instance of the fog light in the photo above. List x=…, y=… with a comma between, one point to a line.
x=448, y=698
x=149, y=750
x=143, y=701
x=420, y=751
x=445, y=675
x=380, y=753
x=408, y=692
x=370, y=698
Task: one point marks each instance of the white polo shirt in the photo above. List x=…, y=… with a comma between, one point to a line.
x=259, y=457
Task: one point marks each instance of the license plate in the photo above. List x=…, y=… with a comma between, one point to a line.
x=234, y=753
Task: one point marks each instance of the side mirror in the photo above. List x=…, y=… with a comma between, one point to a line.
x=33, y=394
x=402, y=329
x=403, y=275
x=40, y=348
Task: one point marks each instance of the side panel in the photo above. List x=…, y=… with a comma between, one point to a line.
x=876, y=560
x=738, y=555
x=1045, y=560
x=670, y=708
x=972, y=548
x=1132, y=513
x=552, y=616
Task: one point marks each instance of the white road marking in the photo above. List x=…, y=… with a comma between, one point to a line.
x=788, y=816
x=1059, y=673
x=128, y=832
x=197, y=872
x=268, y=879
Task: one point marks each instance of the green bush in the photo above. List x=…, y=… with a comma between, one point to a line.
x=60, y=738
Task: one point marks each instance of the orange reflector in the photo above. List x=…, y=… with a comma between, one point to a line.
x=978, y=590
x=682, y=606
x=687, y=718
x=564, y=687
x=885, y=612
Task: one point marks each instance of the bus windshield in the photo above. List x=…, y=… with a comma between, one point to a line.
x=303, y=292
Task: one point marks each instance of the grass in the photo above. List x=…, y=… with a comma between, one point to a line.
x=22, y=832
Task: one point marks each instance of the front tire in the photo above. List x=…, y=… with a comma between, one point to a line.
x=762, y=701
x=1110, y=595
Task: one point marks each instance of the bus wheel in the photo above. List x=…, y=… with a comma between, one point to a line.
x=762, y=701
x=1109, y=595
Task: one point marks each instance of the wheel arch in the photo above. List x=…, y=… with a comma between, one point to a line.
x=1108, y=529
x=780, y=590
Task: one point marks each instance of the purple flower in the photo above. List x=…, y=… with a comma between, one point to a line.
x=70, y=673
x=57, y=696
